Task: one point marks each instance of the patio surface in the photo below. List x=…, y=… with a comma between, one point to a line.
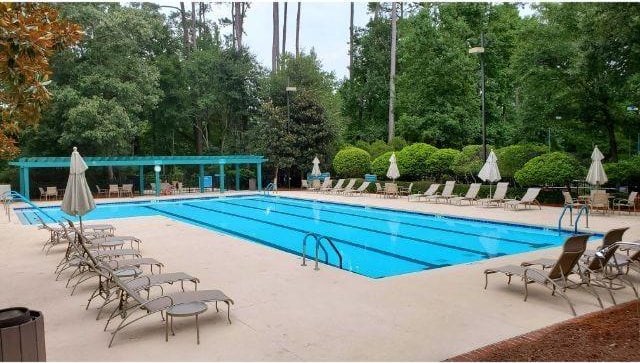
x=285, y=312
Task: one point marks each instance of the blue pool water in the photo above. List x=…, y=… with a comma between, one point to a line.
x=374, y=242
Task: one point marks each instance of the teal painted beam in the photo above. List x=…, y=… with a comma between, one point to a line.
x=141, y=180
x=221, y=178
x=26, y=183
x=63, y=162
x=201, y=178
x=259, y=166
x=22, y=182
x=237, y=177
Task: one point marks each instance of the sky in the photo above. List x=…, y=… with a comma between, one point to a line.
x=324, y=26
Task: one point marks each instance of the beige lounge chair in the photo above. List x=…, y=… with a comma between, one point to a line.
x=361, y=189
x=326, y=185
x=304, y=184
x=379, y=190
x=338, y=186
x=349, y=186
x=405, y=191
x=431, y=191
x=315, y=185
x=499, y=195
x=528, y=199
x=447, y=192
x=557, y=278
x=629, y=203
x=471, y=196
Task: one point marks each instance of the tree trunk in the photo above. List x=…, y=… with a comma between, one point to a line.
x=351, y=42
x=185, y=28
x=197, y=134
x=298, y=30
x=284, y=29
x=193, y=25
x=238, y=10
x=275, y=46
x=376, y=12
x=392, y=72
x=613, y=143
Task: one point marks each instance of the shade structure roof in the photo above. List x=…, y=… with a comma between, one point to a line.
x=62, y=162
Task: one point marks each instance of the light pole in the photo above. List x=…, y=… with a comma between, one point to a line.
x=480, y=51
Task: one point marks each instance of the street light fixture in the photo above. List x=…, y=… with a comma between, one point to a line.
x=480, y=51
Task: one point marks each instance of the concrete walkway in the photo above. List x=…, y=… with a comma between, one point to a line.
x=285, y=312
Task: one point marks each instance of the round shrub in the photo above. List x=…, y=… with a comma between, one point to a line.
x=397, y=143
x=380, y=165
x=624, y=172
x=351, y=162
x=440, y=163
x=512, y=158
x=469, y=161
x=411, y=160
x=361, y=144
x=378, y=148
x=557, y=168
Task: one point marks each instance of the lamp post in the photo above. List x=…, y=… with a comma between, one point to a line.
x=157, y=169
x=480, y=51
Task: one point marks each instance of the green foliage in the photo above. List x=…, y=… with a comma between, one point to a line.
x=556, y=168
x=361, y=144
x=411, y=160
x=469, y=162
x=378, y=148
x=380, y=165
x=624, y=172
x=397, y=143
x=512, y=158
x=439, y=164
x=351, y=162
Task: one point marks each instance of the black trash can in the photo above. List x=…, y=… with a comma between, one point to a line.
x=21, y=335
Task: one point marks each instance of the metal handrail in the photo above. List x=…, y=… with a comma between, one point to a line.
x=8, y=197
x=334, y=248
x=570, y=207
x=584, y=208
x=270, y=187
x=319, y=246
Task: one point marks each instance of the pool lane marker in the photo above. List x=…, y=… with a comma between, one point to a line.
x=416, y=239
x=428, y=265
x=530, y=244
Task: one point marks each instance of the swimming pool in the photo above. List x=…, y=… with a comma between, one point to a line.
x=374, y=242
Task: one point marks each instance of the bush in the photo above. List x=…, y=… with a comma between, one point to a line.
x=380, y=165
x=397, y=143
x=624, y=172
x=440, y=163
x=411, y=160
x=469, y=161
x=351, y=162
x=378, y=148
x=361, y=144
x=557, y=168
x=512, y=158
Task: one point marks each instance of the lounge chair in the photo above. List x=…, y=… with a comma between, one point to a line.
x=379, y=190
x=361, y=189
x=499, y=195
x=629, y=203
x=405, y=191
x=528, y=199
x=431, y=191
x=315, y=185
x=329, y=189
x=349, y=186
x=557, y=278
x=326, y=185
x=595, y=268
x=447, y=192
x=471, y=196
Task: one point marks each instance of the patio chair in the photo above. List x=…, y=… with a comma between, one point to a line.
x=447, y=192
x=326, y=185
x=329, y=189
x=571, y=201
x=43, y=193
x=405, y=191
x=599, y=202
x=431, y=191
x=557, y=278
x=113, y=189
x=528, y=199
x=101, y=191
x=379, y=190
x=349, y=186
x=52, y=192
x=127, y=189
x=471, y=196
x=390, y=190
x=595, y=268
x=499, y=195
x=629, y=203
x=304, y=184
x=361, y=189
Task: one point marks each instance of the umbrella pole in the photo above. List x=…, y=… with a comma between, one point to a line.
x=81, y=231
x=490, y=187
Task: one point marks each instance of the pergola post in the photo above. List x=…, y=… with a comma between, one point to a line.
x=141, y=180
x=221, y=176
x=259, y=176
x=237, y=177
x=21, y=175
x=201, y=178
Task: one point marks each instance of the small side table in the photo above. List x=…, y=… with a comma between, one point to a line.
x=183, y=310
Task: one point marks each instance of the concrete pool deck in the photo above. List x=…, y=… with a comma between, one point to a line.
x=285, y=312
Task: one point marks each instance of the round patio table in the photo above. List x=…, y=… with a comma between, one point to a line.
x=184, y=310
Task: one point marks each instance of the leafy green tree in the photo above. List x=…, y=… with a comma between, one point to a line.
x=512, y=158
x=468, y=163
x=352, y=163
x=440, y=163
x=556, y=168
x=411, y=160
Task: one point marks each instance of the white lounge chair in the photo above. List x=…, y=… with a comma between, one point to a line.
x=350, y=185
x=447, y=192
x=329, y=189
x=498, y=196
x=361, y=189
x=529, y=198
x=431, y=191
x=471, y=196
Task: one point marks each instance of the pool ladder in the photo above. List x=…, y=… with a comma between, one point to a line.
x=318, y=238
x=270, y=188
x=8, y=197
x=584, y=209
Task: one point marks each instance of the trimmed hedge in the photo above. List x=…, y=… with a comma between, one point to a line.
x=624, y=172
x=351, y=162
x=469, y=161
x=556, y=168
x=512, y=158
x=440, y=163
x=378, y=148
x=411, y=160
x=380, y=165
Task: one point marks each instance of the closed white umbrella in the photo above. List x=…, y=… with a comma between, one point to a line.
x=596, y=175
x=78, y=199
x=490, y=172
x=393, y=172
x=316, y=167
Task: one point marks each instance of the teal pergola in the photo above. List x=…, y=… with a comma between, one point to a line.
x=141, y=161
